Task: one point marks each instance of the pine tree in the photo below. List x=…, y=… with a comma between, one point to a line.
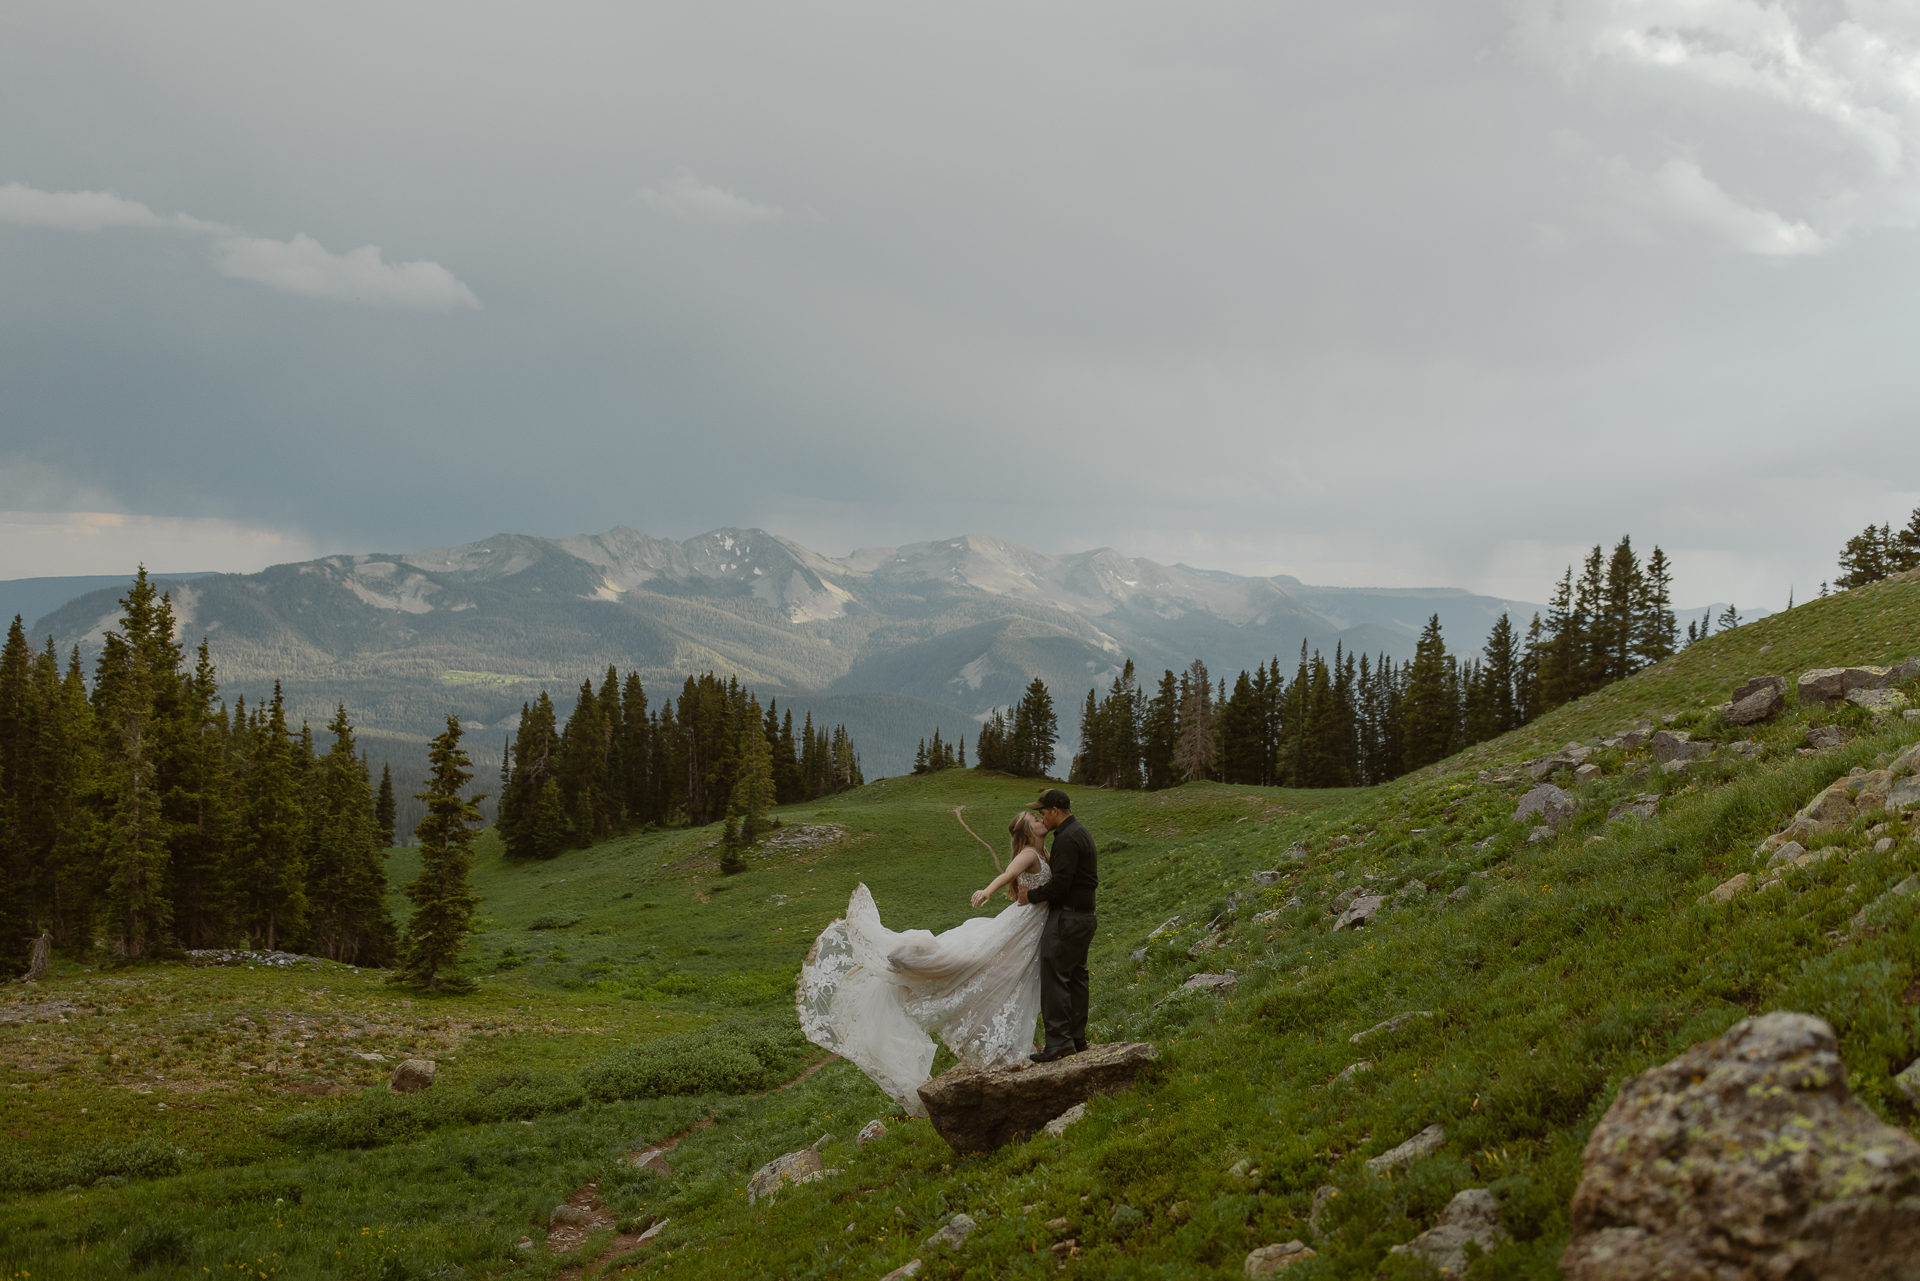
x=346, y=864
x=1193, y=755
x=443, y=906
x=270, y=856
x=753, y=792
x=1427, y=727
x=1159, y=733
x=137, y=667
x=1867, y=557
x=386, y=810
x=1035, y=729
x=523, y=815
x=1656, y=633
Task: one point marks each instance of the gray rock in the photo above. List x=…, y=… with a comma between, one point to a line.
x=954, y=1235
x=1756, y=705
x=577, y=1215
x=871, y=1132
x=1352, y=1070
x=1458, y=895
x=1746, y=749
x=1828, y=686
x=1473, y=1215
x=1322, y=1197
x=1169, y=927
x=1058, y=1126
x=1904, y=794
x=905, y=1272
x=1411, y=894
x=1422, y=1144
x=1269, y=1259
x=1788, y=853
x=1634, y=739
x=1125, y=1216
x=1212, y=982
x=1904, y=671
x=1624, y=810
x=412, y=1075
x=1344, y=899
x=1881, y=702
x=1726, y=889
x=980, y=1111
x=1677, y=745
x=1393, y=1024
x=1747, y=1156
x=822, y=1143
x=1267, y=880
x=1538, y=834
x=1908, y=1082
x=1822, y=737
x=1754, y=684
x=654, y=1161
x=1587, y=773
x=1140, y=953
x=1553, y=806
x=803, y=1166
x=1362, y=912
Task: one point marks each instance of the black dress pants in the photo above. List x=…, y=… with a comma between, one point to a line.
x=1063, y=977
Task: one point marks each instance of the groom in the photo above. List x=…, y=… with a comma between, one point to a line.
x=1069, y=929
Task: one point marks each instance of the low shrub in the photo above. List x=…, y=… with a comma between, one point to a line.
x=136, y=1159
x=736, y=1060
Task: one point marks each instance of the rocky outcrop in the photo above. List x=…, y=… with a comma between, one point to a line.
x=1829, y=686
x=1671, y=745
x=1863, y=791
x=1747, y=1156
x=1472, y=1216
x=981, y=1111
x=1058, y=1126
x=1643, y=806
x=954, y=1235
x=1213, y=982
x=1553, y=806
x=1880, y=702
x=411, y=1075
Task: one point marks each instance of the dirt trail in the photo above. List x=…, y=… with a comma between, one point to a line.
x=594, y=1215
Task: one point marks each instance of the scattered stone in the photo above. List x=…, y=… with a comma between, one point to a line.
x=1754, y=684
x=1427, y=1141
x=1393, y=1024
x=1881, y=702
x=803, y=1166
x=1058, y=1126
x=954, y=1235
x=1170, y=927
x=1822, y=737
x=411, y=1075
x=1746, y=749
x=1059, y=1227
x=1538, y=834
x=911, y=1268
x=1352, y=1070
x=1639, y=807
x=1322, y=1196
x=1344, y=899
x=1670, y=745
x=1903, y=795
x=871, y=1132
x=1140, y=953
x=577, y=1215
x=1725, y=890
x=1828, y=686
x=1411, y=894
x=1634, y=739
x=980, y=1111
x=1269, y=1259
x=367, y=1056
x=1883, y=846
x=654, y=1161
x=1473, y=1215
x=1362, y=912
x=1553, y=806
x=1587, y=773
x=1458, y=896
x=1267, y=880
x=1747, y=1156
x=1787, y=853
x=1904, y=671
x=1213, y=982
x=1908, y=1082
x=1204, y=944
x=823, y=1142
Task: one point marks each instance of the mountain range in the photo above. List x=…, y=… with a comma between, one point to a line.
x=892, y=641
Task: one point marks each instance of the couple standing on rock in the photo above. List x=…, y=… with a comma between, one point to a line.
x=876, y=997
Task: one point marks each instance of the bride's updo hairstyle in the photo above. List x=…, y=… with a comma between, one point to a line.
x=1027, y=829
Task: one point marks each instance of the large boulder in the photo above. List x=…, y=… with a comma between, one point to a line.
x=804, y=1166
x=1829, y=686
x=1676, y=745
x=411, y=1075
x=1747, y=1156
x=1553, y=806
x=1360, y=912
x=980, y=1111
x=1760, y=699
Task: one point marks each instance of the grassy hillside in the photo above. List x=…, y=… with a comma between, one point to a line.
x=1552, y=970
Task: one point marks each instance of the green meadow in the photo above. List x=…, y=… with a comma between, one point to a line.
x=174, y=1122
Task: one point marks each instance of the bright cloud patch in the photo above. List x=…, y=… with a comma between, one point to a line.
x=299, y=266
x=685, y=196
x=1845, y=75
x=304, y=266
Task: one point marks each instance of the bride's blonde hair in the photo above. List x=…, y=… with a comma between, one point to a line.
x=1027, y=829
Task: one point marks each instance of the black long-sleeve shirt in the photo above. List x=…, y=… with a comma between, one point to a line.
x=1076, y=869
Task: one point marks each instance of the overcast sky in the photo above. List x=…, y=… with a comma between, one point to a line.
x=1394, y=293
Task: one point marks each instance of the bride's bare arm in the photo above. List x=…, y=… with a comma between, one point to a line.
x=1024, y=861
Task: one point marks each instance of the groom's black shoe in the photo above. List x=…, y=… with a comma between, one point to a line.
x=1079, y=1047
x=1048, y=1056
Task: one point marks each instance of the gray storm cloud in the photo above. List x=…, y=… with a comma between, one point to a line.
x=1392, y=294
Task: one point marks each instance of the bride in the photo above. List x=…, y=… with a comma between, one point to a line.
x=873, y=996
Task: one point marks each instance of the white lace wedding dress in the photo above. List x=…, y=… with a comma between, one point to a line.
x=873, y=995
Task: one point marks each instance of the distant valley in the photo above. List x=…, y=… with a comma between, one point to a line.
x=891, y=641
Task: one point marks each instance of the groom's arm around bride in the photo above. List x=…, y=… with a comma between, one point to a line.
x=1068, y=897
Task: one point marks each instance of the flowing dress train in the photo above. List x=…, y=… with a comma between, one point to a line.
x=876, y=996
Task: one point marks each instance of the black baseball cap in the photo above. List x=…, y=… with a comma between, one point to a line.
x=1053, y=799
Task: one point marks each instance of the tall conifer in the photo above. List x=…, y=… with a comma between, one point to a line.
x=443, y=905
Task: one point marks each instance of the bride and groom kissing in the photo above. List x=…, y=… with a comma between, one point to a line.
x=877, y=997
